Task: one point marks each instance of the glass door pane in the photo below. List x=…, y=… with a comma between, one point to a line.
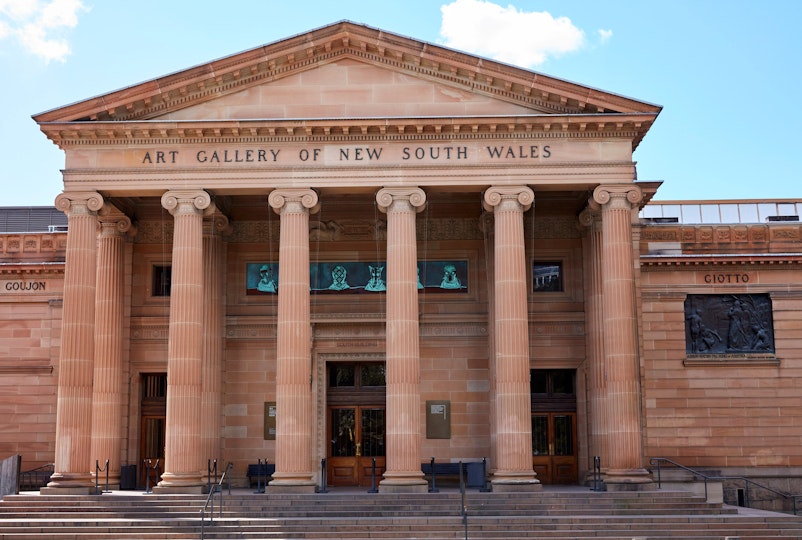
x=563, y=435
x=540, y=435
x=343, y=441
x=373, y=432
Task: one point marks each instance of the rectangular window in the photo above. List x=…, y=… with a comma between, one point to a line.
x=162, y=278
x=547, y=276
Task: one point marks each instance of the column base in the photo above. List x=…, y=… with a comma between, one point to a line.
x=506, y=486
x=403, y=482
x=188, y=483
x=69, y=484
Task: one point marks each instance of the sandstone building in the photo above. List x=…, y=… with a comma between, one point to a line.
x=351, y=248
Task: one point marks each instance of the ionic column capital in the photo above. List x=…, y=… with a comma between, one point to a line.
x=79, y=202
x=496, y=196
x=113, y=222
x=215, y=221
x=617, y=195
x=591, y=215
x=293, y=200
x=186, y=201
x=411, y=198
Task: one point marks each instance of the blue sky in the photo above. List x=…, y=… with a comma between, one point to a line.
x=727, y=72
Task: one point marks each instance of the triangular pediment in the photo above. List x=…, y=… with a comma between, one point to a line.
x=347, y=49
x=350, y=88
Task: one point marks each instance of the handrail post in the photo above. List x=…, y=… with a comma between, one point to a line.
x=373, y=478
x=433, y=489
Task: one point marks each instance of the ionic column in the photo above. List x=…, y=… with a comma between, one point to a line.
x=294, y=411
x=107, y=398
x=76, y=359
x=214, y=226
x=622, y=399
x=512, y=414
x=403, y=472
x=597, y=374
x=183, y=463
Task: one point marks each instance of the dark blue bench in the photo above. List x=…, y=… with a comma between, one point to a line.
x=473, y=472
x=258, y=473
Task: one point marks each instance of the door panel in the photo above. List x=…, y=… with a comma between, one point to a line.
x=356, y=436
x=554, y=455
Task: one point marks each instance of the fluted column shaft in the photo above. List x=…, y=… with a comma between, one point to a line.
x=182, y=453
x=107, y=398
x=622, y=401
x=74, y=401
x=294, y=411
x=213, y=313
x=403, y=340
x=513, y=415
x=597, y=374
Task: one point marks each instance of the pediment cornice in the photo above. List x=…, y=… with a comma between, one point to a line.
x=338, y=130
x=542, y=94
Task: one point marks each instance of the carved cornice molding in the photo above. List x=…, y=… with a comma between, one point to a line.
x=335, y=131
x=724, y=259
x=32, y=269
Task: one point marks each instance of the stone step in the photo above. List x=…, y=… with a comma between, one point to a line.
x=356, y=516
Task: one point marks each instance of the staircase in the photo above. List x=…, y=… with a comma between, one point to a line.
x=575, y=513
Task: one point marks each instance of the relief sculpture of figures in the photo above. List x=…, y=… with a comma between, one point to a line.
x=376, y=283
x=450, y=279
x=267, y=282
x=728, y=324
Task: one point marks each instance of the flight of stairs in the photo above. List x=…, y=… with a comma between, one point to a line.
x=355, y=515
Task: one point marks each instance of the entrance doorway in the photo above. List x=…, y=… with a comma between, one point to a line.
x=153, y=412
x=554, y=448
x=355, y=423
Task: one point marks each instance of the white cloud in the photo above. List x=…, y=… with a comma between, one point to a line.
x=506, y=34
x=39, y=25
x=605, y=35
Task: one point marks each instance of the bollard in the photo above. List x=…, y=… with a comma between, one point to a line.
x=323, y=488
x=373, y=478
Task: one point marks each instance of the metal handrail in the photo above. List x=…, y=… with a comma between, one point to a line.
x=217, y=488
x=748, y=481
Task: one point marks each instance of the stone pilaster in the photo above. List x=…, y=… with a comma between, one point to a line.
x=403, y=340
x=625, y=468
x=295, y=470
x=107, y=398
x=183, y=463
x=512, y=412
x=214, y=226
x=76, y=360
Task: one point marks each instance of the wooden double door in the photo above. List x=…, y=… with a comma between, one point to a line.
x=355, y=423
x=554, y=453
x=356, y=442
